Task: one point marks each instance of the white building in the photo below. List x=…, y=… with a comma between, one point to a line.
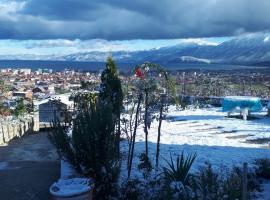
x=25, y=71
x=57, y=107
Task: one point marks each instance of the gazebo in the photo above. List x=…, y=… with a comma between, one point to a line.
x=242, y=104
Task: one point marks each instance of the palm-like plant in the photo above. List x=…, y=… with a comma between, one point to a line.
x=179, y=171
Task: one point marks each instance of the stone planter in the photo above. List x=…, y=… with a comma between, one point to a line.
x=72, y=189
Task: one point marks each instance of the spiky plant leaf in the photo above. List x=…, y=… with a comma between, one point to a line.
x=179, y=170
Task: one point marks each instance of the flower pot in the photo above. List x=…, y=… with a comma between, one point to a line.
x=72, y=189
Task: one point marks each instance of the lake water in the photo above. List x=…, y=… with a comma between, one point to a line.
x=97, y=66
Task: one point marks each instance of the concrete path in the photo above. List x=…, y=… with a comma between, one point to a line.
x=28, y=166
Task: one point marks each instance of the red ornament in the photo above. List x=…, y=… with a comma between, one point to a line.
x=139, y=73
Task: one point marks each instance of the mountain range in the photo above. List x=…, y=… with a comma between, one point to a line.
x=247, y=49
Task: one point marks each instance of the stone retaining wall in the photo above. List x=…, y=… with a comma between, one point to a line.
x=11, y=128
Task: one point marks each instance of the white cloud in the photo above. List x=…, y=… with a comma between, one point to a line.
x=198, y=41
x=51, y=43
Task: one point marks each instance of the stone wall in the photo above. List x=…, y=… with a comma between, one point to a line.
x=11, y=127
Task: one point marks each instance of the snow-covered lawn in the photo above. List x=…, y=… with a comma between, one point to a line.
x=3, y=165
x=215, y=138
x=265, y=194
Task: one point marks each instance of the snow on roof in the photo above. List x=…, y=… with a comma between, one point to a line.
x=64, y=98
x=242, y=98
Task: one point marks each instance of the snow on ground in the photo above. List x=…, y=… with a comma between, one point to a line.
x=215, y=138
x=3, y=165
x=211, y=127
x=265, y=194
x=70, y=187
x=67, y=170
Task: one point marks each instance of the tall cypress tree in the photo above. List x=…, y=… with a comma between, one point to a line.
x=111, y=93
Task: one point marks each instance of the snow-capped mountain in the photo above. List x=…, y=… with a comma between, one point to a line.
x=195, y=60
x=29, y=57
x=247, y=49
x=251, y=48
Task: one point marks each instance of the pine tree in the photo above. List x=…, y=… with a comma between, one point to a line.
x=111, y=89
x=20, y=108
x=111, y=92
x=91, y=148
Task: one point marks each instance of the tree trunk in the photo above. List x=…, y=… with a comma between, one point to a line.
x=118, y=136
x=129, y=151
x=130, y=142
x=245, y=182
x=146, y=122
x=159, y=129
x=134, y=134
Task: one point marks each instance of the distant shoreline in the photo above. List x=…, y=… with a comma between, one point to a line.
x=97, y=66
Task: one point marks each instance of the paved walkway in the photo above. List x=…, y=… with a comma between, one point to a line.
x=28, y=166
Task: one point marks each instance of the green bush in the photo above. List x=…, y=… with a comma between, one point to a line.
x=211, y=185
x=179, y=171
x=20, y=108
x=60, y=139
x=232, y=186
x=145, y=165
x=131, y=190
x=206, y=184
x=91, y=148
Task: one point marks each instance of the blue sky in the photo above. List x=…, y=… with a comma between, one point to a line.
x=69, y=26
